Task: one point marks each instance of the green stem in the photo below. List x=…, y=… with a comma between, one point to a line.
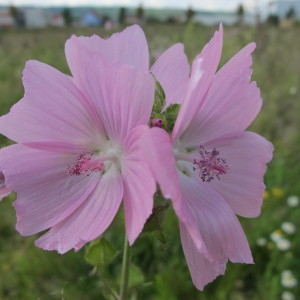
x=125, y=271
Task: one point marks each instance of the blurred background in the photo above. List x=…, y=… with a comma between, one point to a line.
x=31, y=30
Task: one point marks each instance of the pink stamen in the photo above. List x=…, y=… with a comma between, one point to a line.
x=85, y=164
x=210, y=165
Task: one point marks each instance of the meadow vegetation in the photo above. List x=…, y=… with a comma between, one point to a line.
x=160, y=270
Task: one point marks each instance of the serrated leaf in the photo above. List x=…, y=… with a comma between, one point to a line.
x=153, y=224
x=100, y=252
x=159, y=98
x=170, y=114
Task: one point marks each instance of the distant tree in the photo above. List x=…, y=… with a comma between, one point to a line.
x=122, y=15
x=67, y=15
x=189, y=14
x=17, y=15
x=14, y=12
x=273, y=19
x=140, y=13
x=291, y=14
x=241, y=14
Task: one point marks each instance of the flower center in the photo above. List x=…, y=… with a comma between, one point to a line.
x=97, y=161
x=210, y=165
x=86, y=164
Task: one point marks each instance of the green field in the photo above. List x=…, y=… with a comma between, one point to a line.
x=160, y=271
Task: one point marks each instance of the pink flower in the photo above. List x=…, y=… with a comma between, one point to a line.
x=210, y=167
x=130, y=47
x=78, y=151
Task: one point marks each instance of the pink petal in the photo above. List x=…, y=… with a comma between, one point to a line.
x=89, y=220
x=203, y=70
x=159, y=154
x=122, y=96
x=46, y=193
x=172, y=72
x=52, y=110
x=139, y=185
x=231, y=103
x=160, y=157
x=129, y=47
x=4, y=192
x=247, y=155
x=219, y=228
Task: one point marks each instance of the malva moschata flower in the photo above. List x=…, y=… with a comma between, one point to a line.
x=78, y=152
x=209, y=166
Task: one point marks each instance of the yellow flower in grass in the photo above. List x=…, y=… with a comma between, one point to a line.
x=277, y=192
x=266, y=194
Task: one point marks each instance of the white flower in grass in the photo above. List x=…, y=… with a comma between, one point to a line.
x=261, y=241
x=286, y=295
x=288, y=227
x=276, y=235
x=283, y=244
x=278, y=238
x=288, y=280
x=293, y=90
x=293, y=201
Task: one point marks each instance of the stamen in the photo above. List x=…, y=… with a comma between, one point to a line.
x=85, y=164
x=210, y=165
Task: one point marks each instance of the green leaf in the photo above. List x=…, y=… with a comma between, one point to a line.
x=159, y=235
x=100, y=252
x=136, y=276
x=170, y=114
x=159, y=98
x=167, y=116
x=153, y=224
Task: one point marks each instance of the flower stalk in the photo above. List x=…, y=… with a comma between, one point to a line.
x=125, y=270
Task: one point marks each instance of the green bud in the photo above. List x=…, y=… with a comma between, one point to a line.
x=100, y=252
x=167, y=115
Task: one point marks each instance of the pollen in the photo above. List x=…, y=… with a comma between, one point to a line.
x=210, y=165
x=85, y=164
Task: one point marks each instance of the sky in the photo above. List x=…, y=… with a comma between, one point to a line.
x=195, y=4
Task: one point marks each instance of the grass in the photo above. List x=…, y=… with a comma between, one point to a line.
x=161, y=273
